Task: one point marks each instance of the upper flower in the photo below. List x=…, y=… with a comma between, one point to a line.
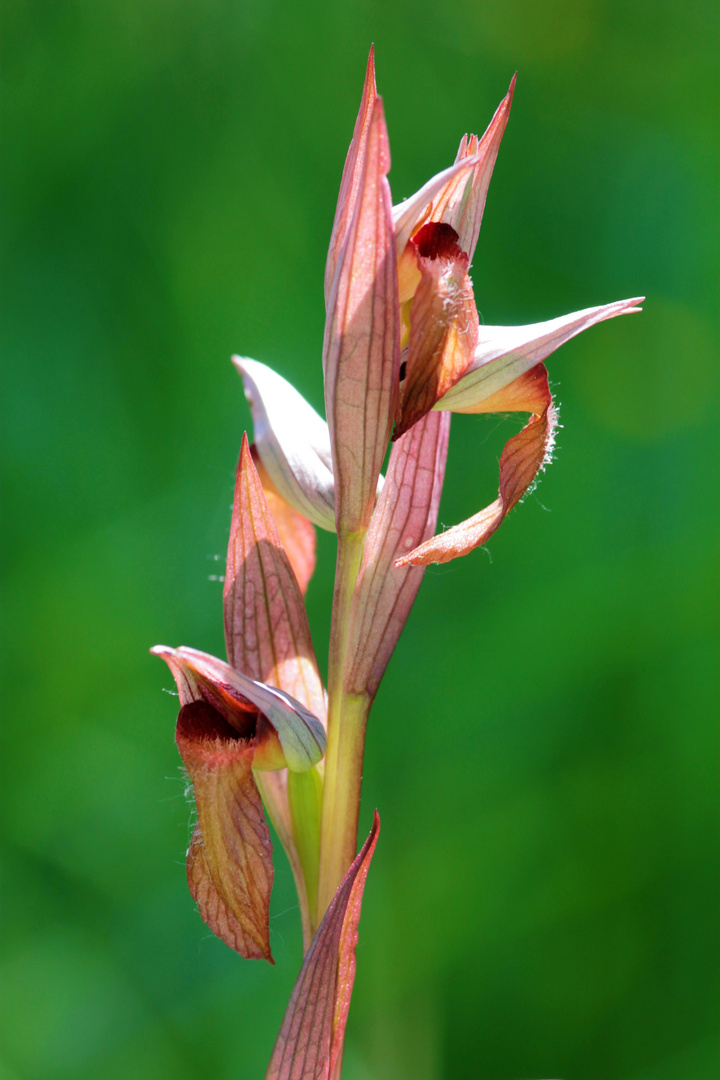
x=248, y=727
x=403, y=338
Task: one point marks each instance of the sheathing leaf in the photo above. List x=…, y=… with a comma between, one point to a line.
x=312, y=1032
x=405, y=516
x=361, y=353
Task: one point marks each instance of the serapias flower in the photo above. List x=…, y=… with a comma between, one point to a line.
x=251, y=732
x=417, y=326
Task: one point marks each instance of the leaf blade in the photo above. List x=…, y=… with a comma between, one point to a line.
x=312, y=1032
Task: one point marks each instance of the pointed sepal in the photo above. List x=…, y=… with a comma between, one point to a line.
x=457, y=195
x=462, y=202
x=504, y=353
x=361, y=352
x=312, y=1032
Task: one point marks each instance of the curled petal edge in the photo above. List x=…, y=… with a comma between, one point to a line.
x=524, y=456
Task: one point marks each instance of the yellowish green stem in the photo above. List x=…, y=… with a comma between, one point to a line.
x=305, y=798
x=347, y=717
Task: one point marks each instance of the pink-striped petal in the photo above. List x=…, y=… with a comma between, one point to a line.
x=361, y=354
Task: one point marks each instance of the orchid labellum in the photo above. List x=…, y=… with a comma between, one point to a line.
x=258, y=734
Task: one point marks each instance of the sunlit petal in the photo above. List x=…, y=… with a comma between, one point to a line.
x=293, y=442
x=504, y=353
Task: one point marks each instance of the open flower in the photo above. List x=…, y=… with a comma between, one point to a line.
x=251, y=732
x=447, y=361
x=403, y=349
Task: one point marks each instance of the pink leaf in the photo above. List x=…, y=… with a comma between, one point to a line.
x=311, y=1037
x=405, y=516
x=361, y=353
x=266, y=627
x=352, y=173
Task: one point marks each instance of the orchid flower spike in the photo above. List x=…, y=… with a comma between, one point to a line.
x=403, y=348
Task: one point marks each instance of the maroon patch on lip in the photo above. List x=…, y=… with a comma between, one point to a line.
x=437, y=240
x=199, y=720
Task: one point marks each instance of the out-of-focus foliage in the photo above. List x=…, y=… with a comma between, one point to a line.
x=544, y=749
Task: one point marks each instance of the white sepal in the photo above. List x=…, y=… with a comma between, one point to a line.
x=504, y=353
x=292, y=440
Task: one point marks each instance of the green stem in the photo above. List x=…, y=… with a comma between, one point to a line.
x=347, y=717
x=305, y=800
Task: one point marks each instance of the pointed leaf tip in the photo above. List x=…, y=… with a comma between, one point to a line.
x=311, y=1037
x=352, y=173
x=361, y=350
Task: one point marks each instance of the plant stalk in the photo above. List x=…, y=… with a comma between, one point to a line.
x=347, y=717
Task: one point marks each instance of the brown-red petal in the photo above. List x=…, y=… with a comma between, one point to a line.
x=524, y=456
x=443, y=324
x=229, y=863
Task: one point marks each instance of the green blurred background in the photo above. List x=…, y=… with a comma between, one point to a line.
x=544, y=749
